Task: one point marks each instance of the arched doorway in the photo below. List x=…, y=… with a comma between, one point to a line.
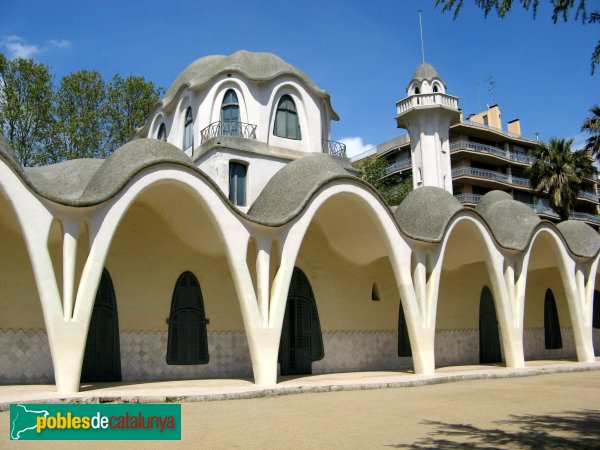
x=301, y=338
x=188, y=342
x=102, y=357
x=489, y=337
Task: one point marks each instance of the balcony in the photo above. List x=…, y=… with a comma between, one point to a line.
x=399, y=165
x=497, y=130
x=490, y=150
x=334, y=148
x=588, y=196
x=468, y=198
x=489, y=175
x=434, y=99
x=228, y=129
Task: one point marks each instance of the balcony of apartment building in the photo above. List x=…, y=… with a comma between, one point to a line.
x=484, y=152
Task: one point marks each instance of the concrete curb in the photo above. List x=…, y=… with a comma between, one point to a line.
x=276, y=391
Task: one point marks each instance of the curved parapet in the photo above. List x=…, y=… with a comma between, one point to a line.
x=426, y=212
x=581, y=239
x=512, y=223
x=286, y=194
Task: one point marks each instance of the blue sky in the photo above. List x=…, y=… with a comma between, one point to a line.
x=362, y=53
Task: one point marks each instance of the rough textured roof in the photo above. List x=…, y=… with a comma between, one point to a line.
x=582, y=239
x=10, y=155
x=425, y=213
x=290, y=189
x=256, y=66
x=512, y=223
x=426, y=71
x=86, y=182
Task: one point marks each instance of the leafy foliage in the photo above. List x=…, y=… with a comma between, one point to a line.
x=25, y=106
x=560, y=9
x=592, y=127
x=85, y=117
x=560, y=171
x=372, y=170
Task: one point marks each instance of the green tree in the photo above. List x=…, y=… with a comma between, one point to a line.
x=25, y=106
x=129, y=101
x=560, y=10
x=80, y=128
x=372, y=170
x=592, y=127
x=560, y=170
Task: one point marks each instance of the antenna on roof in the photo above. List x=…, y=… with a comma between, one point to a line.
x=421, y=28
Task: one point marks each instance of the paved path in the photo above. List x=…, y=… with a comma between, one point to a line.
x=560, y=410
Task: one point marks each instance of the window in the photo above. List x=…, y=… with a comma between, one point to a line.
x=417, y=91
x=188, y=132
x=375, y=293
x=237, y=183
x=404, y=349
x=230, y=114
x=162, y=133
x=286, y=119
x=553, y=339
x=187, y=341
x=596, y=313
x=435, y=88
x=485, y=120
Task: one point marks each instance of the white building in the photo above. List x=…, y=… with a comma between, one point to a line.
x=239, y=247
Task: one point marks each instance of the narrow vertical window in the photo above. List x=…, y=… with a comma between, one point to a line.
x=187, y=341
x=596, y=312
x=286, y=119
x=230, y=114
x=237, y=183
x=404, y=349
x=188, y=132
x=552, y=337
x=162, y=133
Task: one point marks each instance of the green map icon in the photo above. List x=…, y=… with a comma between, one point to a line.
x=24, y=420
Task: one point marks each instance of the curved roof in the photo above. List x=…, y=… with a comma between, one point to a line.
x=582, y=239
x=425, y=213
x=256, y=66
x=512, y=223
x=87, y=182
x=290, y=189
x=426, y=71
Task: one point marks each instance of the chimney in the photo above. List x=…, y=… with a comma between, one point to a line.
x=514, y=126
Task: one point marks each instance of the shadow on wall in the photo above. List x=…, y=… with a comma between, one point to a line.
x=568, y=429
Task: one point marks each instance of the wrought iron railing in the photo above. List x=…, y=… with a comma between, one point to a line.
x=334, y=148
x=490, y=150
x=490, y=175
x=398, y=165
x=588, y=195
x=468, y=198
x=230, y=129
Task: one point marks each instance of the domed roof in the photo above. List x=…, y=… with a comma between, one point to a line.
x=427, y=72
x=290, y=189
x=582, y=239
x=256, y=66
x=7, y=152
x=425, y=213
x=512, y=223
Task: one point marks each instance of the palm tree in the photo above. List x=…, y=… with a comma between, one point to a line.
x=560, y=171
x=592, y=126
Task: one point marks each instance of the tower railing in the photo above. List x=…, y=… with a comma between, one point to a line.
x=333, y=148
x=435, y=98
x=230, y=129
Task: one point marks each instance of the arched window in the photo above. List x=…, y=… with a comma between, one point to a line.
x=417, y=91
x=230, y=114
x=287, y=124
x=489, y=336
x=162, y=133
x=187, y=342
x=237, y=183
x=552, y=337
x=404, y=349
x=435, y=88
x=188, y=132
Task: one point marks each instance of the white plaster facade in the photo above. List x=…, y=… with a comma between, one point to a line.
x=168, y=218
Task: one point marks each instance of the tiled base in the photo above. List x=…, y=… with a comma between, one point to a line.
x=534, y=343
x=143, y=357
x=25, y=357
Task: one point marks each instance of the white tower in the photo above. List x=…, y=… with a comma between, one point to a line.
x=427, y=114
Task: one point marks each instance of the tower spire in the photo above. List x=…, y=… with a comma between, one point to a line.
x=421, y=29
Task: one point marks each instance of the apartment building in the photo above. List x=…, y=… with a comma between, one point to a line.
x=486, y=155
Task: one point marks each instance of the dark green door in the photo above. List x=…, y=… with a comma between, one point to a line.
x=301, y=338
x=489, y=338
x=102, y=357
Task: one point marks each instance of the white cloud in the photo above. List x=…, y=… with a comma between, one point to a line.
x=579, y=140
x=17, y=48
x=59, y=43
x=355, y=146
